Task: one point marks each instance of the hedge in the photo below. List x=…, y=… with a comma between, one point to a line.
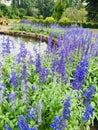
x=49, y=21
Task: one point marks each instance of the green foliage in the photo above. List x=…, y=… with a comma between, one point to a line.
x=53, y=90
x=84, y=24
x=64, y=19
x=22, y=27
x=74, y=14
x=58, y=9
x=49, y=20
x=35, y=8
x=32, y=11
x=4, y=9
x=41, y=17
x=22, y=12
x=92, y=8
x=45, y=7
x=46, y=29
x=30, y=18
x=74, y=3
x=50, y=93
x=74, y=10
x=1, y=13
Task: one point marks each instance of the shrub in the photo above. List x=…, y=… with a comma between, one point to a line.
x=22, y=12
x=49, y=20
x=64, y=19
x=74, y=14
x=41, y=17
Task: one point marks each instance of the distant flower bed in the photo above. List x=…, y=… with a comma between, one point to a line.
x=39, y=28
x=57, y=89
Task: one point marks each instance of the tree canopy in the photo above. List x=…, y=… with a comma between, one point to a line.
x=55, y=8
x=74, y=3
x=92, y=8
x=59, y=8
x=35, y=7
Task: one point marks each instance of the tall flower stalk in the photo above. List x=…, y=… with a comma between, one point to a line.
x=60, y=121
x=80, y=74
x=12, y=96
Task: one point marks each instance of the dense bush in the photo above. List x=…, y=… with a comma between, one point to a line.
x=83, y=24
x=49, y=20
x=41, y=17
x=92, y=10
x=74, y=14
x=62, y=22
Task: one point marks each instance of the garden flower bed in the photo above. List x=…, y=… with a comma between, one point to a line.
x=55, y=90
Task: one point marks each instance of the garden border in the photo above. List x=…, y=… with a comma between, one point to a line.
x=28, y=34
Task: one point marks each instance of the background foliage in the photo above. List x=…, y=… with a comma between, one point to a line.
x=74, y=10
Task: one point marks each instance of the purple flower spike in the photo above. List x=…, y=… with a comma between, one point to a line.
x=38, y=63
x=12, y=96
x=79, y=74
x=66, y=112
x=22, y=54
x=6, y=127
x=60, y=121
x=56, y=124
x=22, y=125
x=31, y=113
x=44, y=74
x=13, y=79
x=24, y=71
x=88, y=113
x=88, y=94
x=34, y=88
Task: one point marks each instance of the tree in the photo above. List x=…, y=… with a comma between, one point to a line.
x=74, y=3
x=27, y=5
x=34, y=8
x=45, y=7
x=58, y=9
x=92, y=8
x=14, y=3
x=75, y=15
x=4, y=9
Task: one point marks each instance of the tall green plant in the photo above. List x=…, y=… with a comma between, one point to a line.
x=58, y=9
x=45, y=7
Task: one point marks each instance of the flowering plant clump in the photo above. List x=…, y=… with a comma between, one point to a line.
x=57, y=89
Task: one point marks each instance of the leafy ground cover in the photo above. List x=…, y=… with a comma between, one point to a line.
x=28, y=26
x=55, y=90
